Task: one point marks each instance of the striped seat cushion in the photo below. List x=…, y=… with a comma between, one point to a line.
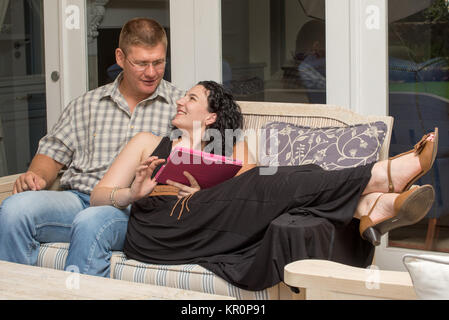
x=188, y=276
x=53, y=255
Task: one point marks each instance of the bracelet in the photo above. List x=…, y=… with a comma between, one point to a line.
x=114, y=203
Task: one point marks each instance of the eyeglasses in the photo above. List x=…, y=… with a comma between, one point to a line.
x=142, y=66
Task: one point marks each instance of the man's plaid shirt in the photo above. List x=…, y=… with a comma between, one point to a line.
x=93, y=129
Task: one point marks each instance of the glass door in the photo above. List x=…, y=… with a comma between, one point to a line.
x=419, y=101
x=23, y=116
x=274, y=50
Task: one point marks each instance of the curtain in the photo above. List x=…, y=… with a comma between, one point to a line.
x=3, y=8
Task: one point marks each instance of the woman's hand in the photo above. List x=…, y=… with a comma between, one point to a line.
x=183, y=189
x=143, y=184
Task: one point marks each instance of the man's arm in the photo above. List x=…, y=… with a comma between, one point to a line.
x=41, y=174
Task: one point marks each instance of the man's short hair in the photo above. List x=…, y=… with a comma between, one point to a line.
x=142, y=32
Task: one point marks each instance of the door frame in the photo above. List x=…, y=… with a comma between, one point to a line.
x=65, y=53
x=195, y=41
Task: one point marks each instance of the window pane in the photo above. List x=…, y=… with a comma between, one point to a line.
x=105, y=21
x=22, y=83
x=419, y=102
x=274, y=50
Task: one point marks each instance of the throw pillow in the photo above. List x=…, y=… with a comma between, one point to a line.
x=332, y=148
x=430, y=275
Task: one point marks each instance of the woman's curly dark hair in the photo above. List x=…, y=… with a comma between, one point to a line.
x=229, y=115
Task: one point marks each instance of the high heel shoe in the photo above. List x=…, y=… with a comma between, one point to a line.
x=409, y=208
x=426, y=151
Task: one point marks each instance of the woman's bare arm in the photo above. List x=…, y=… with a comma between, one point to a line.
x=123, y=170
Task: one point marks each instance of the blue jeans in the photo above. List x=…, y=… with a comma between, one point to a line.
x=30, y=218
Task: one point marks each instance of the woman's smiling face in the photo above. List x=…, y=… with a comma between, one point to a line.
x=193, y=107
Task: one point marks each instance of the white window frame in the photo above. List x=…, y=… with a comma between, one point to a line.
x=195, y=41
x=65, y=53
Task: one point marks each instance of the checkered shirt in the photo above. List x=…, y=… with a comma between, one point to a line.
x=93, y=129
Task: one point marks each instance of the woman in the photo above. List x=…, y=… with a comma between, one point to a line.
x=216, y=224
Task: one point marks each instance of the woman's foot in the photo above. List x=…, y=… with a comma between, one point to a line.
x=399, y=173
x=377, y=211
x=388, y=211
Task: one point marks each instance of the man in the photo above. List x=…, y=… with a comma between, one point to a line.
x=87, y=137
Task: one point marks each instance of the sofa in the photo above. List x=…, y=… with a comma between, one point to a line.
x=194, y=277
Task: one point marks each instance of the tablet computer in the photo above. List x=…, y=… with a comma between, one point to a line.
x=208, y=169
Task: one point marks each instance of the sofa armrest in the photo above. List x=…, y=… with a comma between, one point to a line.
x=7, y=184
x=324, y=279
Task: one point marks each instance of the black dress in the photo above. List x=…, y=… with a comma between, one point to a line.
x=229, y=226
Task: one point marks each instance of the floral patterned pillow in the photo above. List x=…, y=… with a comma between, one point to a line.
x=332, y=148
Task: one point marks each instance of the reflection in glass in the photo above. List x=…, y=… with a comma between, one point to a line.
x=22, y=83
x=419, y=102
x=274, y=50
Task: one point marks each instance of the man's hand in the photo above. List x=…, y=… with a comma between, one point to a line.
x=42, y=172
x=29, y=181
